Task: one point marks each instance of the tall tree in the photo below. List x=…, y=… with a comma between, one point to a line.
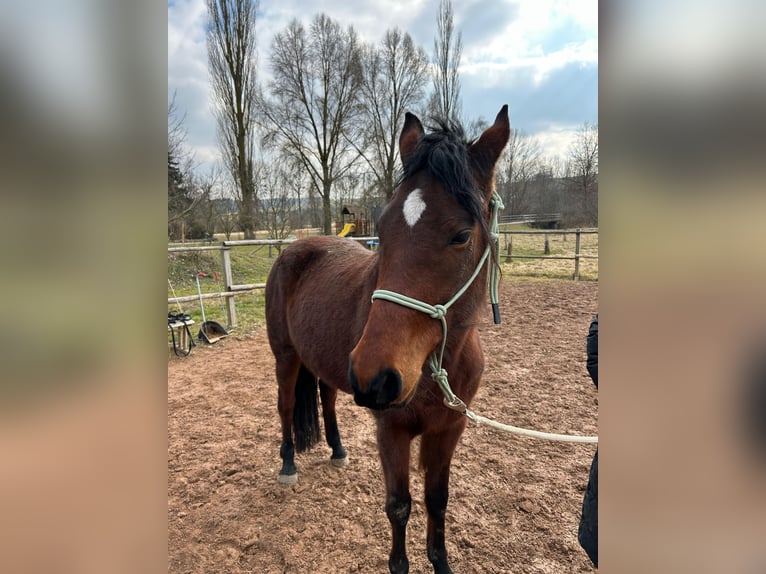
x=227, y=220
x=546, y=187
x=177, y=132
x=519, y=166
x=204, y=215
x=313, y=107
x=182, y=198
x=394, y=77
x=582, y=176
x=232, y=65
x=276, y=198
x=445, y=100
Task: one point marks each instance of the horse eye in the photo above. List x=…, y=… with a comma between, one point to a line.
x=461, y=238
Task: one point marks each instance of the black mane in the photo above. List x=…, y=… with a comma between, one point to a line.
x=443, y=154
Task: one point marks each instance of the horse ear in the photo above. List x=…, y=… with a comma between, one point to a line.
x=411, y=132
x=487, y=149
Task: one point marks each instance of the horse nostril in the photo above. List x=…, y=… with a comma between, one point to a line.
x=382, y=390
x=385, y=387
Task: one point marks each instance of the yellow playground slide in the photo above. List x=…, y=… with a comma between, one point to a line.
x=348, y=228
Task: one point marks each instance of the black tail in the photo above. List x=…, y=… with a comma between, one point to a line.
x=306, y=414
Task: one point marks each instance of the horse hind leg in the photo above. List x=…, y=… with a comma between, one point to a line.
x=287, y=376
x=298, y=414
x=328, y=394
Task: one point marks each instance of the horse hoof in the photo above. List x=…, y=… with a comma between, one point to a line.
x=339, y=462
x=288, y=478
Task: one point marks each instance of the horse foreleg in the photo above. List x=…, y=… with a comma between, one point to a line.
x=287, y=376
x=436, y=456
x=328, y=395
x=394, y=447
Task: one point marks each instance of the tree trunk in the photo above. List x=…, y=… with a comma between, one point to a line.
x=327, y=211
x=247, y=221
x=246, y=216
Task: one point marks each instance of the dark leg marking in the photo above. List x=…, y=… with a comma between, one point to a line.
x=328, y=395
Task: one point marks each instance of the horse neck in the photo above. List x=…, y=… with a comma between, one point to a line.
x=370, y=275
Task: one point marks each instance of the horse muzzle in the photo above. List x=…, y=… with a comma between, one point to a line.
x=380, y=392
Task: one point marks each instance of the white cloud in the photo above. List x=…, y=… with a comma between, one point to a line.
x=206, y=155
x=187, y=64
x=525, y=41
x=188, y=77
x=524, y=53
x=556, y=140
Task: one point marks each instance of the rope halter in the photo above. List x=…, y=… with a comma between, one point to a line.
x=438, y=373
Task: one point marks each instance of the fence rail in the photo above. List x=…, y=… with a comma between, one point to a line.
x=529, y=218
x=578, y=233
x=231, y=289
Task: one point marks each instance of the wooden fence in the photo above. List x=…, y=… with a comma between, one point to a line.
x=576, y=256
x=231, y=289
x=529, y=218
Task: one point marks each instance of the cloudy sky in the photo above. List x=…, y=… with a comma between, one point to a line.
x=538, y=56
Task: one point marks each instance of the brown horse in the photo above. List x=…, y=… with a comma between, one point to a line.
x=326, y=325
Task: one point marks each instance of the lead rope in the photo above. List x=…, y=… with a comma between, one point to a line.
x=438, y=373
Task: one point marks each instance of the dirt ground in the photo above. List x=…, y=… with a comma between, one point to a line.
x=514, y=501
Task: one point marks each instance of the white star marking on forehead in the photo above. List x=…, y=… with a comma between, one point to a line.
x=414, y=206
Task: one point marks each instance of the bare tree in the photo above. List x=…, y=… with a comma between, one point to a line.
x=205, y=212
x=445, y=100
x=183, y=194
x=176, y=132
x=299, y=185
x=232, y=66
x=582, y=173
x=181, y=199
x=475, y=127
x=394, y=78
x=313, y=106
x=543, y=189
x=276, y=198
x=519, y=166
x=226, y=216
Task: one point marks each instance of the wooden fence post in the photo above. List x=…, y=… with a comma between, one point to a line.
x=547, y=247
x=510, y=249
x=231, y=311
x=577, y=255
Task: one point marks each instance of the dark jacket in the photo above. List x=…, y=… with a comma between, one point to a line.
x=588, y=531
x=591, y=346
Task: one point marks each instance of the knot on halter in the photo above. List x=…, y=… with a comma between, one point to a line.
x=439, y=375
x=451, y=401
x=439, y=312
x=496, y=202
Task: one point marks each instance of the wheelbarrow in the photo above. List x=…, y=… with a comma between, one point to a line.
x=210, y=331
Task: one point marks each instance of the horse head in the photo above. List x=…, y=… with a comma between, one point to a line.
x=433, y=234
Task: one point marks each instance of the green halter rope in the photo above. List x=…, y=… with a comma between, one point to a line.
x=440, y=311
x=438, y=373
x=495, y=204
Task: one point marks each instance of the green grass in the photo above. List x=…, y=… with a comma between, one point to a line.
x=251, y=264
x=548, y=268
